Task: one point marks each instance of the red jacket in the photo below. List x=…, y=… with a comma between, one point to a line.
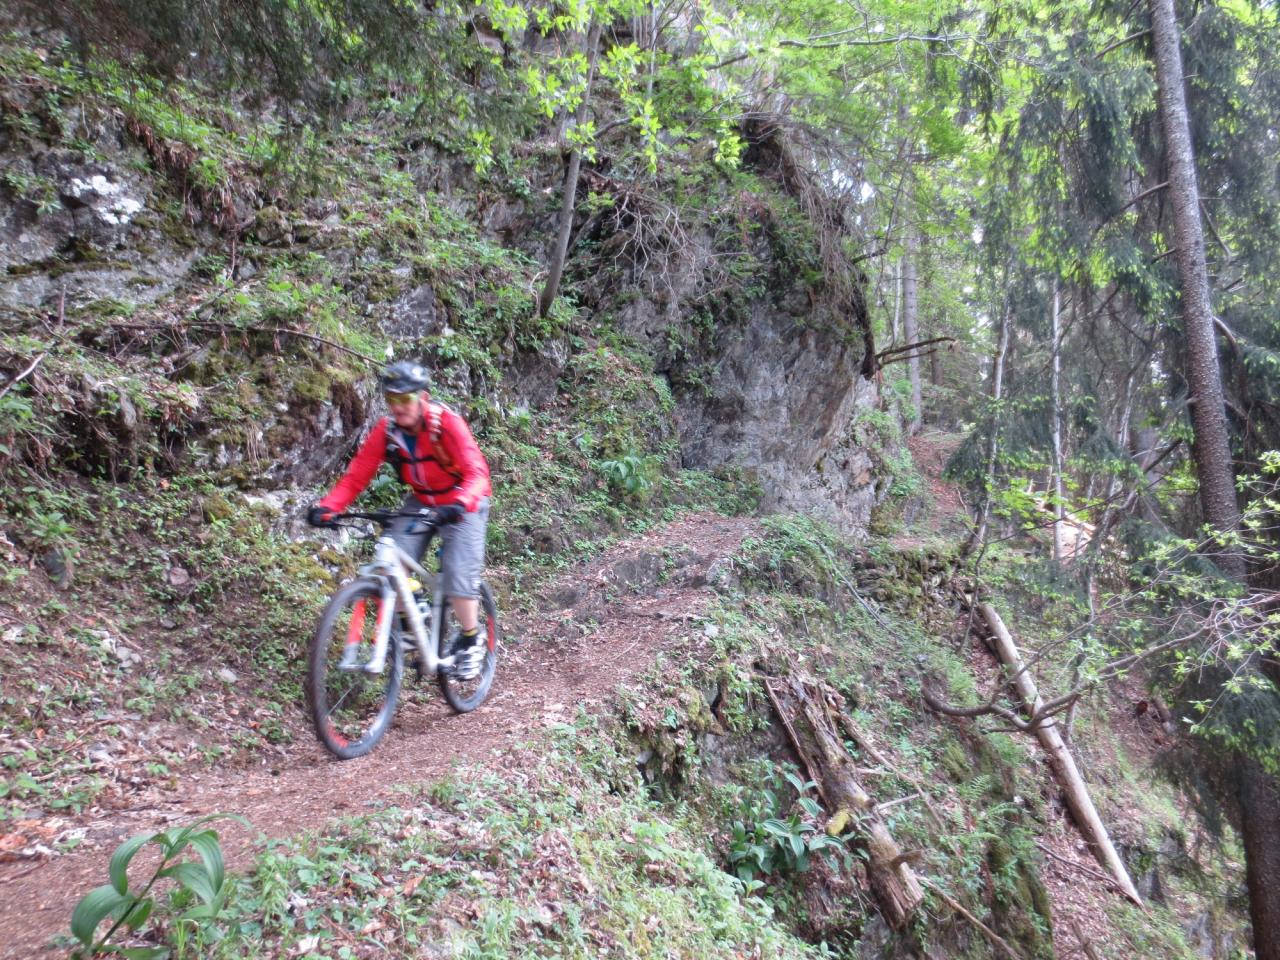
x=449, y=470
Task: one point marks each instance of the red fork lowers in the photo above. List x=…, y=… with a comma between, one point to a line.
x=355, y=629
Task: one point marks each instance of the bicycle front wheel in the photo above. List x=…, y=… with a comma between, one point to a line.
x=350, y=708
x=465, y=695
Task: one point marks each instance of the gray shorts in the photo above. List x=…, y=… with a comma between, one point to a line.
x=461, y=547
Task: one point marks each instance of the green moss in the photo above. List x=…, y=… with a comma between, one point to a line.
x=216, y=506
x=314, y=385
x=1022, y=909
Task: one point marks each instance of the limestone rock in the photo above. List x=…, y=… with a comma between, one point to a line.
x=101, y=233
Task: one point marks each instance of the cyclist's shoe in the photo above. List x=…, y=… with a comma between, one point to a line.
x=468, y=655
x=470, y=662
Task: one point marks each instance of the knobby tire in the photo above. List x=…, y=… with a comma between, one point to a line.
x=338, y=700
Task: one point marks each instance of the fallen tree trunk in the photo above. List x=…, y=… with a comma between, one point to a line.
x=1060, y=759
x=805, y=712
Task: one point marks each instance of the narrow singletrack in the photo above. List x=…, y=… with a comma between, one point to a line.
x=558, y=663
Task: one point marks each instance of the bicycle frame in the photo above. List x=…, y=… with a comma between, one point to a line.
x=391, y=566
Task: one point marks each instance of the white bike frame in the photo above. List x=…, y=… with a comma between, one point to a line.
x=391, y=566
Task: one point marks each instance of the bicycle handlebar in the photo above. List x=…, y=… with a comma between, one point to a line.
x=384, y=517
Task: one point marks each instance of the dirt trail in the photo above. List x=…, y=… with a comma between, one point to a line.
x=637, y=597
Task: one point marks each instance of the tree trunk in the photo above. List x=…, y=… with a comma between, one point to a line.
x=979, y=535
x=1260, y=826
x=1258, y=793
x=1210, y=448
x=935, y=358
x=652, y=42
x=897, y=306
x=911, y=321
x=1055, y=394
x=806, y=713
x=1061, y=761
x=555, y=268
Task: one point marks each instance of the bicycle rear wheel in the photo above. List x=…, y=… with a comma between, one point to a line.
x=352, y=709
x=465, y=695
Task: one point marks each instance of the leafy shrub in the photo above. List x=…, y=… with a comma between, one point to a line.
x=630, y=473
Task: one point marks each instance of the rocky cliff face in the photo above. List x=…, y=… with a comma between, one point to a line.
x=774, y=395
x=766, y=376
x=89, y=230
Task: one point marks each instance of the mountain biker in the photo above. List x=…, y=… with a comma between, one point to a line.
x=432, y=449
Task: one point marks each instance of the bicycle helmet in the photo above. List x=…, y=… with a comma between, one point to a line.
x=405, y=376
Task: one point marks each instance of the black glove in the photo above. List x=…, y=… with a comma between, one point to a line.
x=319, y=516
x=450, y=513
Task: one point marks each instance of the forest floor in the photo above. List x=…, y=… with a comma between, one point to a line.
x=597, y=626
x=588, y=631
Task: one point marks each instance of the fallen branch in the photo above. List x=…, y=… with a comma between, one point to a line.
x=881, y=357
x=16, y=380
x=806, y=713
x=996, y=940
x=795, y=741
x=864, y=742
x=224, y=327
x=1083, y=868
x=904, y=358
x=871, y=611
x=881, y=807
x=1060, y=759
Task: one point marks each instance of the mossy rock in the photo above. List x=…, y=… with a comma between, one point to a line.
x=216, y=507
x=955, y=761
x=313, y=385
x=974, y=756
x=698, y=714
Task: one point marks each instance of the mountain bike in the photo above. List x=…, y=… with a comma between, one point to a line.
x=392, y=609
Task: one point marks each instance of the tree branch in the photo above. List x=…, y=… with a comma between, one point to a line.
x=1121, y=42
x=987, y=932
x=827, y=41
x=219, y=325
x=907, y=347
x=14, y=382
x=985, y=710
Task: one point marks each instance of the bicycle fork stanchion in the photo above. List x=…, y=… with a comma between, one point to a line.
x=384, y=569
x=425, y=635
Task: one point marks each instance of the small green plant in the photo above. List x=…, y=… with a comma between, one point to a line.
x=763, y=842
x=130, y=909
x=51, y=527
x=34, y=188
x=629, y=473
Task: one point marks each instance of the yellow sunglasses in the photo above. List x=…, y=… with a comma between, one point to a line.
x=400, y=399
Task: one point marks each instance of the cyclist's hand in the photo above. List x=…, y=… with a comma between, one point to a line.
x=319, y=516
x=450, y=513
